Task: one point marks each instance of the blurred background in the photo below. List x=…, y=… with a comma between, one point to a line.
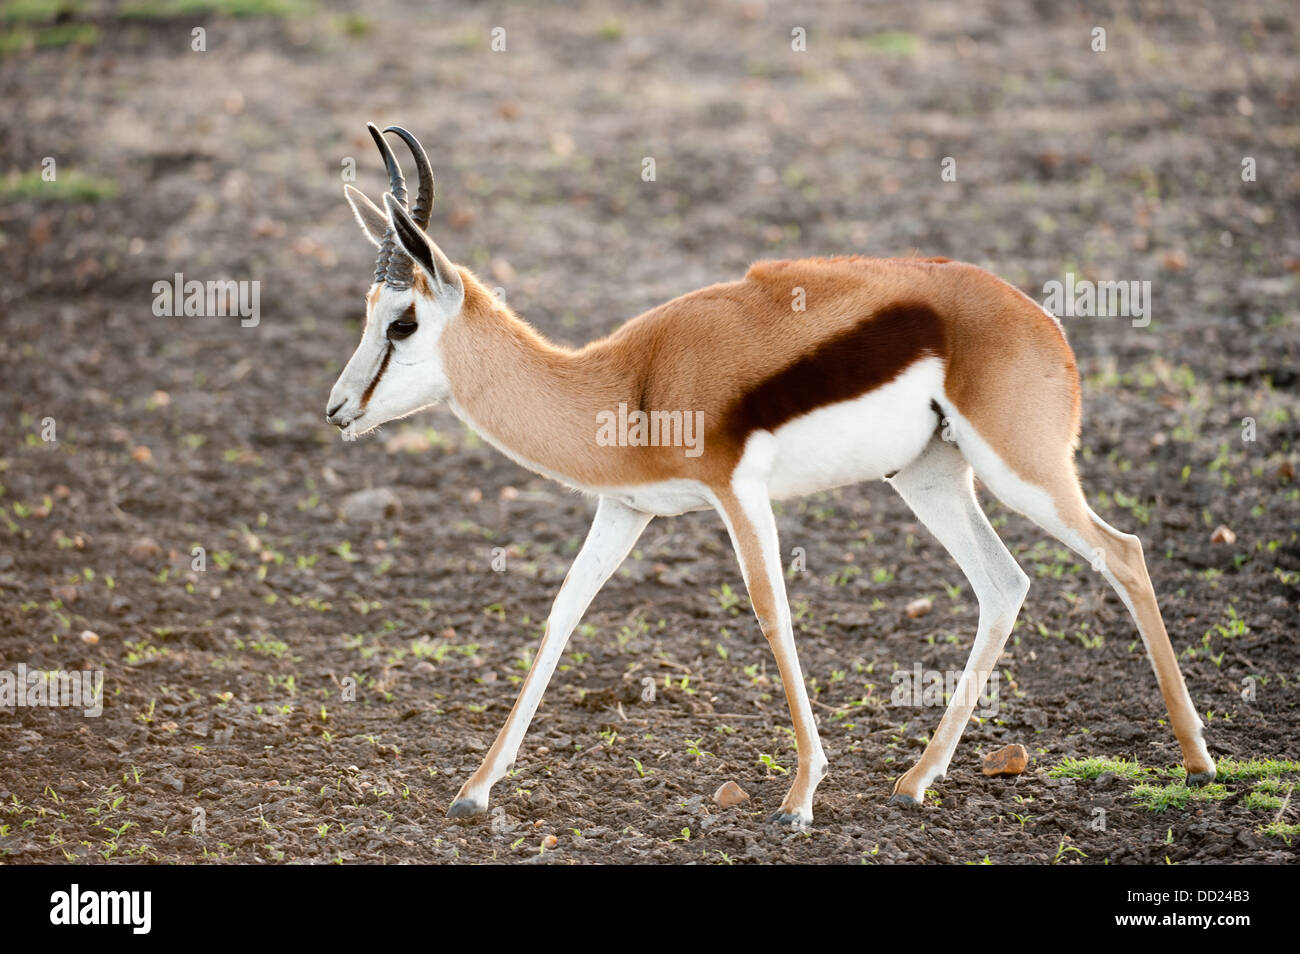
x=212, y=138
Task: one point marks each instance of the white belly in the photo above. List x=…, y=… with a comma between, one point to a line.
x=863, y=439
x=665, y=499
x=867, y=438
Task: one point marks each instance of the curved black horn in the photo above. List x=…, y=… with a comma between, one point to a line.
x=424, y=198
x=392, y=266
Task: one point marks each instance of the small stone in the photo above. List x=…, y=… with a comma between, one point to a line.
x=549, y=842
x=368, y=506
x=1011, y=760
x=1223, y=534
x=918, y=608
x=144, y=549
x=141, y=454
x=89, y=637
x=729, y=794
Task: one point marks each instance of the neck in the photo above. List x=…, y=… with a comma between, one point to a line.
x=535, y=401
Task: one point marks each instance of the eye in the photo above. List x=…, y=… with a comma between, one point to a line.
x=401, y=328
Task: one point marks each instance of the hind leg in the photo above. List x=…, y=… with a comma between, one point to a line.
x=1055, y=502
x=747, y=512
x=938, y=488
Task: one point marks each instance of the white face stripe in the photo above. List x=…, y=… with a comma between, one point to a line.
x=385, y=380
x=384, y=358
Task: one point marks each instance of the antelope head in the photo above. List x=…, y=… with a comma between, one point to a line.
x=397, y=368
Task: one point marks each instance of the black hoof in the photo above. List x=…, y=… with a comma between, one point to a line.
x=904, y=800
x=465, y=808
x=1200, y=778
x=787, y=820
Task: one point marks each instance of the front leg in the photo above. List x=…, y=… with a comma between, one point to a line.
x=747, y=511
x=610, y=539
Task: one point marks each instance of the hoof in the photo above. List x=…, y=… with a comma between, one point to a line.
x=465, y=808
x=789, y=820
x=1200, y=778
x=904, y=800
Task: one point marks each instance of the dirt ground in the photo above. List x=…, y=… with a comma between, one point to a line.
x=226, y=735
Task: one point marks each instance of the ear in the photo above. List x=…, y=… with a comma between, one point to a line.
x=424, y=251
x=369, y=216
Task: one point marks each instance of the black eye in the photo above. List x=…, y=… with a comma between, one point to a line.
x=401, y=328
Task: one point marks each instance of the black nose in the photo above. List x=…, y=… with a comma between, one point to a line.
x=334, y=410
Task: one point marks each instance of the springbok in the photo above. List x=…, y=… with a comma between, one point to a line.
x=921, y=372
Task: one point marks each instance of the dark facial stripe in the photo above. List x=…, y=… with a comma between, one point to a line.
x=383, y=366
x=847, y=366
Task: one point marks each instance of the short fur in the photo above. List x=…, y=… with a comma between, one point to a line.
x=924, y=372
x=742, y=355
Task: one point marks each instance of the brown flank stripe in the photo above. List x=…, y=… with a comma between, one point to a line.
x=847, y=366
